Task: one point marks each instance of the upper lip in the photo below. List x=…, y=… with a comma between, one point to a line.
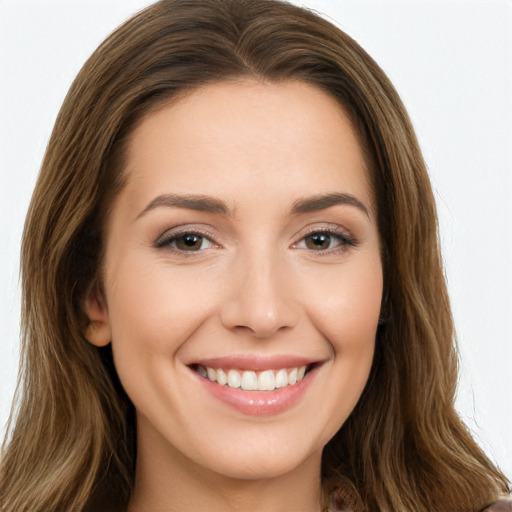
x=256, y=362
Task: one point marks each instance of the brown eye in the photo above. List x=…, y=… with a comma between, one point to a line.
x=189, y=242
x=325, y=241
x=318, y=241
x=185, y=242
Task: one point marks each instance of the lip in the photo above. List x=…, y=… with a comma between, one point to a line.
x=257, y=363
x=258, y=403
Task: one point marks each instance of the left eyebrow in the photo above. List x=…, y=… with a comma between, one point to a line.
x=324, y=201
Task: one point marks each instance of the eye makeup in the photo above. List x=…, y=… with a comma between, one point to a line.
x=326, y=240
x=189, y=240
x=186, y=239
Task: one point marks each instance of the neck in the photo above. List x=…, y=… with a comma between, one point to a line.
x=166, y=480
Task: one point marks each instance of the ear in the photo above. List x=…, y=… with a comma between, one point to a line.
x=98, y=331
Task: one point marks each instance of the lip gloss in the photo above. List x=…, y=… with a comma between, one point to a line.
x=259, y=403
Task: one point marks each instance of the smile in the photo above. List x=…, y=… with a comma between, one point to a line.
x=257, y=385
x=250, y=380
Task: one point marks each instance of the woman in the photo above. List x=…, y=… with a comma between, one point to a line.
x=233, y=293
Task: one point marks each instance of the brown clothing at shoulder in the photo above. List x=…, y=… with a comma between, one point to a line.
x=340, y=501
x=502, y=505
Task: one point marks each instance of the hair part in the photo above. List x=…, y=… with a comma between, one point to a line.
x=72, y=443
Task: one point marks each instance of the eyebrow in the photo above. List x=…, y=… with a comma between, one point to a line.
x=191, y=202
x=210, y=204
x=324, y=201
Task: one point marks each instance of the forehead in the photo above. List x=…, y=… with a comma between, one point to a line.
x=288, y=139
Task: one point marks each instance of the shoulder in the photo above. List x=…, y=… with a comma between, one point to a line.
x=502, y=505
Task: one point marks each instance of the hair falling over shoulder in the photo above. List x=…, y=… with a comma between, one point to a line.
x=70, y=444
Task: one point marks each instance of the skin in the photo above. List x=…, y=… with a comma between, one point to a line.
x=254, y=286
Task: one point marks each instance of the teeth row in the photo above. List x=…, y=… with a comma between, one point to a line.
x=267, y=380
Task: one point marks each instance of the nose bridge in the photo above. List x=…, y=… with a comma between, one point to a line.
x=261, y=299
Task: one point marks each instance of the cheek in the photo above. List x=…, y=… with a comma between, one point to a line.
x=153, y=311
x=154, y=306
x=347, y=315
x=345, y=305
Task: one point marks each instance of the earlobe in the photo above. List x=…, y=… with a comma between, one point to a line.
x=98, y=331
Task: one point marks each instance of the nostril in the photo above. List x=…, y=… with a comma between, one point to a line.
x=260, y=308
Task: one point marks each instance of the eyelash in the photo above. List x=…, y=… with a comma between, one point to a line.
x=168, y=239
x=345, y=241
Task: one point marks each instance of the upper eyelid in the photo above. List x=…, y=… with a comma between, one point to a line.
x=179, y=229
x=172, y=233
x=334, y=229
x=326, y=229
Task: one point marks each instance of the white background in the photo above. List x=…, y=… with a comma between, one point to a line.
x=452, y=64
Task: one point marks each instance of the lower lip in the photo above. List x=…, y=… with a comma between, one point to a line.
x=259, y=403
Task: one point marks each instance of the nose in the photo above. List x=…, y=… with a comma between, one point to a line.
x=260, y=298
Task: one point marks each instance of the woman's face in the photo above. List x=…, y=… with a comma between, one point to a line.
x=242, y=253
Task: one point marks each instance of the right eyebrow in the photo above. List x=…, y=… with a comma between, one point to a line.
x=198, y=203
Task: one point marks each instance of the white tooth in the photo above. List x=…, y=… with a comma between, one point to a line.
x=202, y=371
x=266, y=381
x=301, y=373
x=281, y=379
x=292, y=377
x=233, y=379
x=249, y=381
x=211, y=374
x=221, y=377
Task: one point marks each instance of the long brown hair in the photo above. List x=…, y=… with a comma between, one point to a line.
x=71, y=443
